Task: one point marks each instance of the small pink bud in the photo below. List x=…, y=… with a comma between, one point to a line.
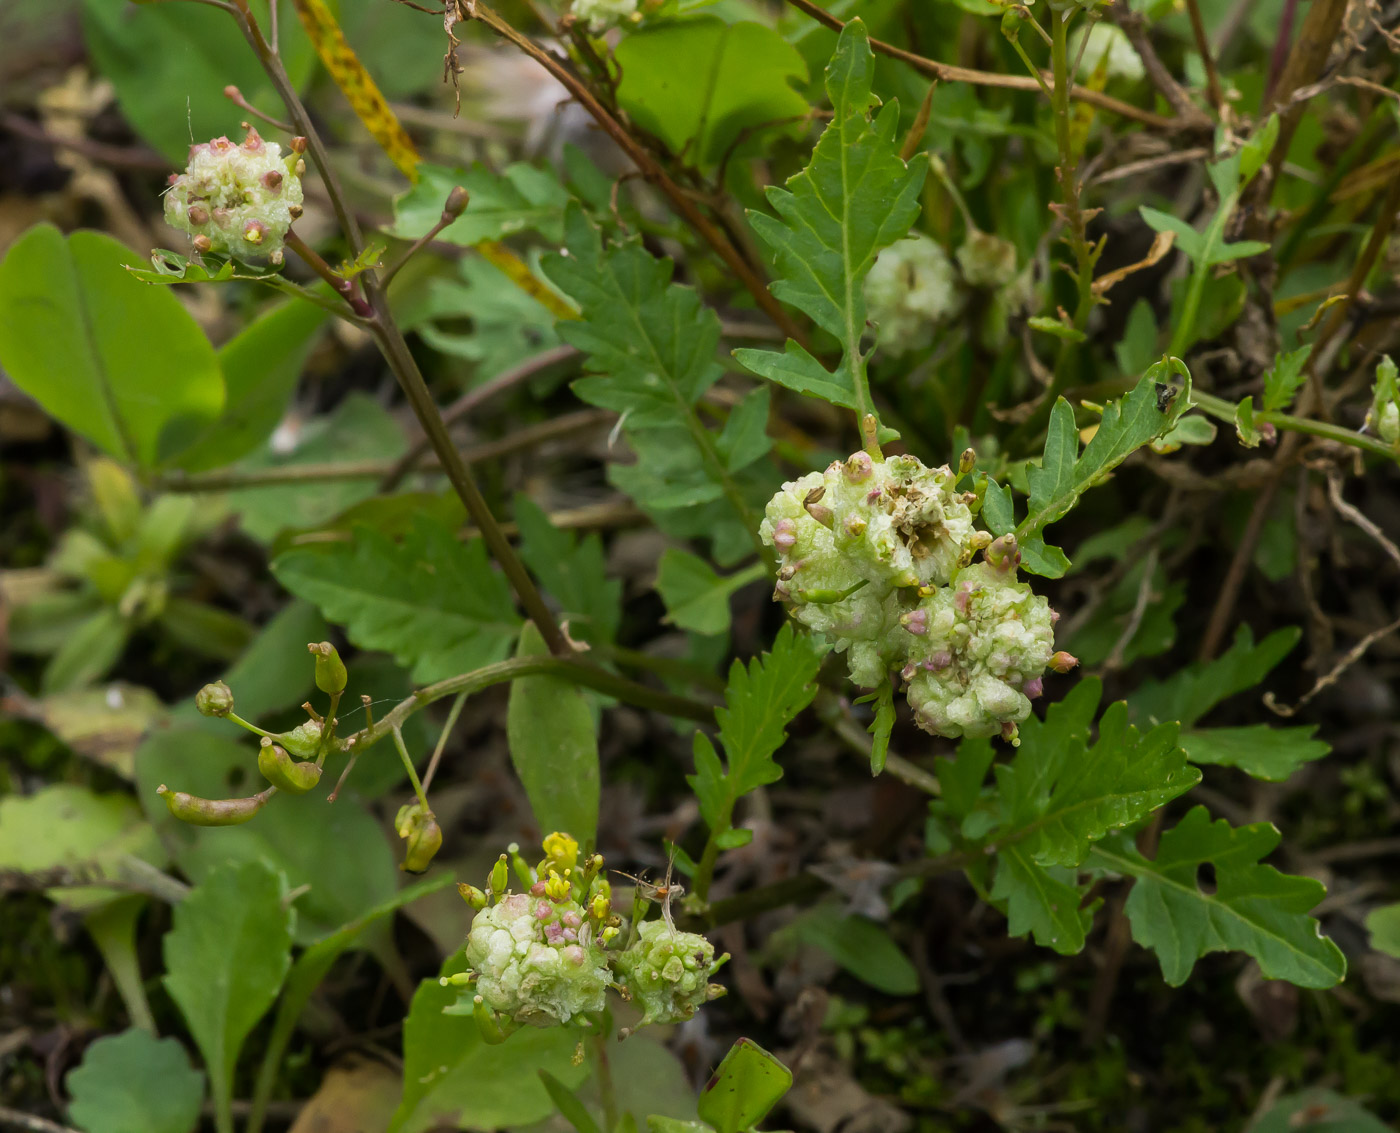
x=1054, y=616
x=253, y=143
x=543, y=911
x=573, y=955
x=272, y=181
x=1033, y=688
x=872, y=496
x=221, y=145
x=859, y=468
x=909, y=672
x=1063, y=662
x=199, y=215
x=1268, y=432
x=784, y=533
x=1003, y=553
x=173, y=179
x=255, y=232
x=962, y=597
x=537, y=890
x=554, y=933
x=222, y=217
x=940, y=661
x=571, y=920
x=915, y=621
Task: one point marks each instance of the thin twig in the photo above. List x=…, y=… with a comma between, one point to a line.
x=13, y=1119
x=452, y=714
x=1198, y=29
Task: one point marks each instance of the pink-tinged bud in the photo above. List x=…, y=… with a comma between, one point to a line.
x=872, y=496
x=173, y=179
x=915, y=621
x=1063, y=662
x=297, y=144
x=255, y=232
x=962, y=597
x=571, y=920
x=1268, y=432
x=199, y=215
x=272, y=181
x=221, y=145
x=1054, y=617
x=202, y=243
x=859, y=468
x=573, y=955
x=1033, y=688
x=854, y=526
x=784, y=533
x=537, y=889
x=232, y=91
x=554, y=933
x=1003, y=553
x=939, y=661
x=222, y=217
x=909, y=672
x=253, y=143
x=295, y=211
x=543, y=911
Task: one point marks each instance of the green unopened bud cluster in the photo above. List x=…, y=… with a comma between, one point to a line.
x=878, y=557
x=1383, y=418
x=546, y=953
x=603, y=15
x=237, y=198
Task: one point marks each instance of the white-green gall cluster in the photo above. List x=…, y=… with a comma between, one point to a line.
x=911, y=288
x=237, y=199
x=1108, y=46
x=877, y=557
x=1383, y=418
x=537, y=961
x=667, y=972
x=603, y=15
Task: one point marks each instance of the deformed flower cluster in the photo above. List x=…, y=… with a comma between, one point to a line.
x=547, y=953
x=877, y=556
x=238, y=199
x=602, y=15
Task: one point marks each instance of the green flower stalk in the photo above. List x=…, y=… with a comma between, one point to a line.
x=237, y=199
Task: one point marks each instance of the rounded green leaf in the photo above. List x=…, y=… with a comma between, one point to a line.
x=135, y=1083
x=117, y=361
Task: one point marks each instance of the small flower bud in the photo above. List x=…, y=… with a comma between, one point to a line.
x=214, y=699
x=500, y=876
x=784, y=534
x=967, y=462
x=1033, y=688
x=561, y=850
x=330, y=670
x=858, y=468
x=1063, y=662
x=1003, y=553
x=457, y=202
x=915, y=621
x=198, y=215
x=557, y=888
x=472, y=895
x=202, y=243
x=417, y=826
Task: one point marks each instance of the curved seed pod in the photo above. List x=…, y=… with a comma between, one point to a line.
x=213, y=812
x=279, y=770
x=330, y=669
x=304, y=740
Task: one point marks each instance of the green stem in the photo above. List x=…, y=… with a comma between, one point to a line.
x=234, y=718
x=407, y=761
x=607, y=1093
x=1223, y=410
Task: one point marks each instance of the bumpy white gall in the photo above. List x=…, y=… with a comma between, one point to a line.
x=667, y=973
x=238, y=199
x=911, y=288
x=601, y=15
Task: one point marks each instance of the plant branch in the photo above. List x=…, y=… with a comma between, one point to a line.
x=1223, y=410
x=946, y=72
x=1198, y=29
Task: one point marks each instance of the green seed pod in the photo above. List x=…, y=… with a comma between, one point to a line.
x=212, y=812
x=424, y=841
x=472, y=895
x=214, y=699
x=279, y=770
x=486, y=1021
x=1011, y=22
x=500, y=876
x=304, y=740
x=330, y=669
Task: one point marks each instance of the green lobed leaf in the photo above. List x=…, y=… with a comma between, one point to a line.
x=696, y=597
x=747, y=1084
x=122, y=364
x=1193, y=691
x=521, y=199
x=573, y=571
x=553, y=742
x=225, y=958
x=855, y=197
x=759, y=702
x=1272, y=754
x=434, y=603
x=452, y=1075
x=134, y=1082
x=1384, y=926
x=1043, y=901
x=698, y=84
x=1285, y=377
x=1253, y=908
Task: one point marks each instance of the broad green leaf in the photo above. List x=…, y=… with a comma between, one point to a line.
x=698, y=84
x=1272, y=754
x=1061, y=794
x=434, y=603
x=855, y=197
x=522, y=198
x=861, y=946
x=339, y=852
x=1384, y=926
x=747, y=1084
x=170, y=63
x=71, y=827
x=1282, y=381
x=135, y=1083
x=358, y=429
x=1043, y=901
x=553, y=742
x=570, y=1108
x=1317, y=1110
x=1064, y=473
x=696, y=597
x=573, y=571
x=122, y=364
x=88, y=653
x=452, y=1076
x=105, y=724
x=759, y=703
x=225, y=958
x=261, y=365
x=1252, y=908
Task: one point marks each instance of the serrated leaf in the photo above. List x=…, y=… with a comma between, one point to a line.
x=135, y=1083
x=696, y=597
x=521, y=198
x=1193, y=691
x=553, y=743
x=1283, y=379
x=1044, y=902
x=1060, y=794
x=434, y=603
x=573, y=571
x=855, y=197
x=1272, y=754
x=1253, y=908
x=759, y=702
x=225, y=958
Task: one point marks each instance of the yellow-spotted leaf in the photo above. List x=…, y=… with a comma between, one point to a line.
x=356, y=84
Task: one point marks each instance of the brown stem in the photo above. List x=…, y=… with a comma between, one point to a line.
x=645, y=163
x=949, y=73
x=343, y=287
x=1198, y=29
